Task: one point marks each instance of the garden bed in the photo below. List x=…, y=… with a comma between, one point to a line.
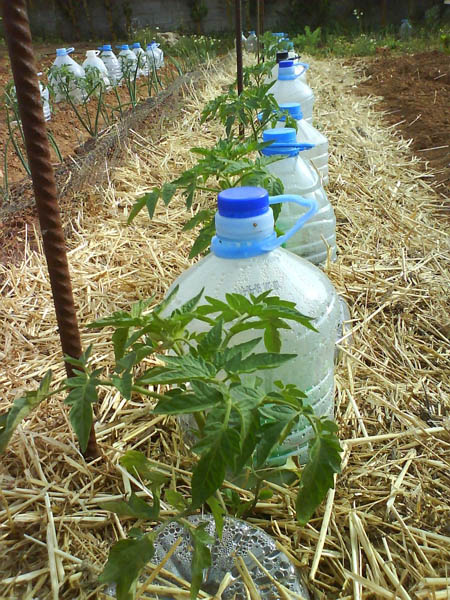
x=383, y=533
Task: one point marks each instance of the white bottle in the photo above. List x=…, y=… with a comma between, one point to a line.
x=93, y=61
x=76, y=92
x=155, y=55
x=111, y=63
x=142, y=59
x=246, y=259
x=290, y=88
x=45, y=97
x=251, y=44
x=307, y=134
x=128, y=62
x=299, y=177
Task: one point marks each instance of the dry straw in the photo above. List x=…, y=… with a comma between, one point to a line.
x=384, y=532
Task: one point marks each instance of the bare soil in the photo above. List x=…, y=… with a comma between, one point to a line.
x=416, y=97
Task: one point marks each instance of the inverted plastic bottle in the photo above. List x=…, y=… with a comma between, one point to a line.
x=142, y=59
x=76, y=93
x=111, y=63
x=290, y=88
x=300, y=68
x=308, y=134
x=155, y=55
x=251, y=44
x=128, y=61
x=93, y=61
x=246, y=258
x=299, y=177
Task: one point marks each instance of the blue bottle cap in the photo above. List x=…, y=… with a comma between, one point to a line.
x=136, y=45
x=252, y=32
x=286, y=64
x=61, y=52
x=123, y=47
x=280, y=135
x=243, y=202
x=105, y=48
x=293, y=108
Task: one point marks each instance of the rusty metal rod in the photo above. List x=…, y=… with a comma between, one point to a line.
x=238, y=26
x=18, y=37
x=258, y=26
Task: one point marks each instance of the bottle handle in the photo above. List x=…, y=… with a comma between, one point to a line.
x=69, y=50
x=308, y=202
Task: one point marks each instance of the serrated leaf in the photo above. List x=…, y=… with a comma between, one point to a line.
x=210, y=341
x=81, y=397
x=137, y=207
x=218, y=513
x=136, y=463
x=185, y=404
x=267, y=360
x=200, y=217
x=272, y=338
x=135, y=507
x=175, y=499
x=80, y=417
x=123, y=384
x=21, y=408
x=189, y=306
x=125, y=561
x=167, y=192
x=201, y=558
x=318, y=475
x=203, y=240
x=119, y=339
x=178, y=370
x=269, y=434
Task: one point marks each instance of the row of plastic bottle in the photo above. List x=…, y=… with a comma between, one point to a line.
x=112, y=69
x=247, y=257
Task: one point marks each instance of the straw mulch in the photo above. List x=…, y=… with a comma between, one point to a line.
x=384, y=532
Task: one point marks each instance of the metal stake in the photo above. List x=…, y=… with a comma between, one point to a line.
x=18, y=37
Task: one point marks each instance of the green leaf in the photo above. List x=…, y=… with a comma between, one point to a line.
x=201, y=558
x=178, y=370
x=175, y=499
x=211, y=340
x=167, y=192
x=81, y=397
x=269, y=434
x=119, y=339
x=134, y=507
x=200, y=217
x=218, y=512
x=267, y=360
x=203, y=240
x=123, y=384
x=272, y=338
x=136, y=463
x=149, y=200
x=21, y=408
x=185, y=403
x=126, y=560
x=189, y=306
x=318, y=474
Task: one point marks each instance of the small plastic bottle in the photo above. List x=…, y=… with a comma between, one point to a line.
x=246, y=258
x=45, y=97
x=299, y=177
x=94, y=62
x=128, y=61
x=405, y=29
x=308, y=134
x=142, y=59
x=251, y=44
x=75, y=91
x=111, y=63
x=290, y=88
x=155, y=55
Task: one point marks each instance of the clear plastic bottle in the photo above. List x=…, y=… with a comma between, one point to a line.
x=299, y=177
x=128, y=61
x=405, y=30
x=45, y=97
x=246, y=258
x=94, y=62
x=155, y=55
x=142, y=59
x=111, y=63
x=251, y=44
x=290, y=88
x=308, y=134
x=75, y=90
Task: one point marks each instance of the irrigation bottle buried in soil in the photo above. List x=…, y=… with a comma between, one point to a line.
x=299, y=177
x=290, y=88
x=300, y=68
x=142, y=59
x=45, y=97
x=63, y=59
x=308, y=134
x=128, y=61
x=155, y=55
x=251, y=43
x=111, y=63
x=93, y=61
x=246, y=258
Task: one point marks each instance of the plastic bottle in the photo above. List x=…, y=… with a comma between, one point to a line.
x=111, y=63
x=300, y=68
x=142, y=59
x=155, y=55
x=246, y=258
x=45, y=97
x=299, y=177
x=251, y=44
x=290, y=88
x=63, y=59
x=128, y=61
x=94, y=62
x=307, y=134
x=405, y=30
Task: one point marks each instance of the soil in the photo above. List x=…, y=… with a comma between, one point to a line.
x=416, y=97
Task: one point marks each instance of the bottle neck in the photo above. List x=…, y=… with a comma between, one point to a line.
x=242, y=238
